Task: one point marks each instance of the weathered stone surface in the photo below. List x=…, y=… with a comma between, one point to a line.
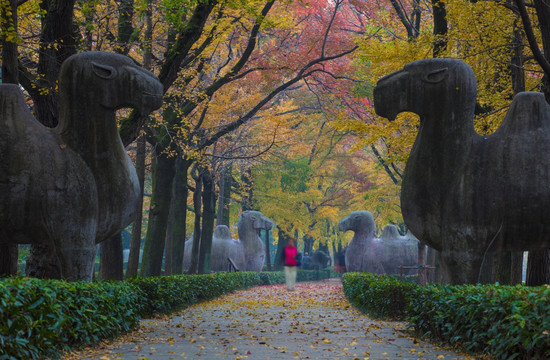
x=462, y=193
x=398, y=251
x=223, y=247
x=317, y=261
x=72, y=186
x=362, y=253
x=248, y=252
x=250, y=223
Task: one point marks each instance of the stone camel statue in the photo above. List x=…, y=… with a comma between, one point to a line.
x=72, y=186
x=462, y=193
x=362, y=253
x=223, y=247
x=398, y=251
x=249, y=225
x=248, y=252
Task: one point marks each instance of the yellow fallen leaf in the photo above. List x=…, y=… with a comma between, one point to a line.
x=441, y=356
x=327, y=341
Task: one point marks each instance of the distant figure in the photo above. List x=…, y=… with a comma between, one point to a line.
x=291, y=263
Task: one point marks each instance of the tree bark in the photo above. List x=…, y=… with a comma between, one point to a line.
x=422, y=271
x=125, y=27
x=440, y=27
x=267, y=251
x=169, y=236
x=8, y=259
x=110, y=259
x=9, y=252
x=135, y=241
x=283, y=238
x=224, y=200
x=153, y=250
x=10, y=73
x=247, y=190
x=308, y=244
x=194, y=265
x=542, y=8
x=181, y=192
x=208, y=214
x=538, y=268
x=57, y=43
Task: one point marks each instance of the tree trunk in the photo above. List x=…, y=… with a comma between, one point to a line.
x=57, y=43
x=179, y=203
x=224, y=199
x=422, y=271
x=267, y=251
x=308, y=245
x=542, y=8
x=169, y=235
x=153, y=250
x=125, y=27
x=208, y=214
x=8, y=259
x=10, y=73
x=110, y=259
x=197, y=194
x=440, y=27
x=9, y=253
x=247, y=190
x=135, y=241
x=283, y=238
x=538, y=268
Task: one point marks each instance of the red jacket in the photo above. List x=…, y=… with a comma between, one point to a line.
x=290, y=256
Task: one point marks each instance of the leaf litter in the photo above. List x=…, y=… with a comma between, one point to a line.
x=315, y=321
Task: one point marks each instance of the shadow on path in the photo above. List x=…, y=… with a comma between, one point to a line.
x=268, y=322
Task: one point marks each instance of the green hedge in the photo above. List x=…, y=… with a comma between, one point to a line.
x=166, y=293
x=380, y=296
x=40, y=318
x=278, y=277
x=507, y=322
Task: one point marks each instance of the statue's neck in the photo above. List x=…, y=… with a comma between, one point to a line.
x=90, y=130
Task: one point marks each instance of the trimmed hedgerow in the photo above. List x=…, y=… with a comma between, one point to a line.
x=40, y=318
x=278, y=277
x=507, y=322
x=163, y=294
x=379, y=296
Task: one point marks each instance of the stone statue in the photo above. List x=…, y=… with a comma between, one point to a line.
x=362, y=253
x=319, y=260
x=248, y=253
x=249, y=225
x=223, y=247
x=73, y=186
x=398, y=251
x=465, y=194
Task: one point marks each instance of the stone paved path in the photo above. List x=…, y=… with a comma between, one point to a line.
x=268, y=322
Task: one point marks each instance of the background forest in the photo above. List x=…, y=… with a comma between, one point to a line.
x=267, y=105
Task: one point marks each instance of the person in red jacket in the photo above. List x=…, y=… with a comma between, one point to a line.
x=291, y=263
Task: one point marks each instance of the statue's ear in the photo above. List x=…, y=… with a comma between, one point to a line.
x=435, y=76
x=104, y=71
